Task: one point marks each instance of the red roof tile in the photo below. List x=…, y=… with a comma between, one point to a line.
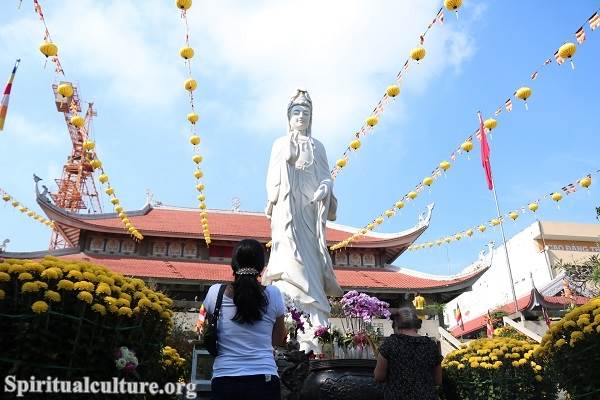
x=215, y=272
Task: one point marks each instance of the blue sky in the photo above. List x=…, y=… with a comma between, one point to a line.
x=250, y=56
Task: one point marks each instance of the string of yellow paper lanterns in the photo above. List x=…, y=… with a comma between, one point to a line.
x=531, y=207
x=94, y=162
x=190, y=84
x=466, y=146
x=25, y=210
x=391, y=92
x=50, y=50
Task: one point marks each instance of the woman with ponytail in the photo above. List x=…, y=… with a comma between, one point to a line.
x=250, y=324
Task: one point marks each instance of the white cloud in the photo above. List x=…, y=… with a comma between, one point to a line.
x=344, y=52
x=28, y=131
x=256, y=53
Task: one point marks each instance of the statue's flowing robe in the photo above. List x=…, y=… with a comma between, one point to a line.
x=299, y=263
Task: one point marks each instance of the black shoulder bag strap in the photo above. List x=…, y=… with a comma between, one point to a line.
x=218, y=306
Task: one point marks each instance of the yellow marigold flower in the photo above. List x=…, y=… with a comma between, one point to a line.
x=125, y=296
x=515, y=364
x=460, y=366
x=16, y=269
x=560, y=342
x=127, y=287
x=41, y=285
x=596, y=318
x=576, y=335
x=598, y=329
x=121, y=302
x=538, y=368
x=539, y=378
x=85, y=296
x=99, y=308
x=144, y=303
x=52, y=296
x=106, y=279
x=103, y=288
x=115, y=289
x=2, y=294
x=474, y=364
x=588, y=329
x=136, y=310
x=25, y=276
x=498, y=364
x=89, y=276
x=65, y=284
x=84, y=285
x=75, y=274
x=125, y=311
x=570, y=324
x=39, y=307
x=4, y=277
x=111, y=301
x=166, y=315
x=167, y=362
x=52, y=273
x=29, y=287
x=156, y=307
x=138, y=295
x=113, y=309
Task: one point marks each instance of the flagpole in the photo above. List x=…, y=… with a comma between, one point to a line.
x=512, y=284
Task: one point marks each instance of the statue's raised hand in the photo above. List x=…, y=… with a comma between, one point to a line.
x=320, y=193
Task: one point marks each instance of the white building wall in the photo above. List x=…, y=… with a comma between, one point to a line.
x=493, y=290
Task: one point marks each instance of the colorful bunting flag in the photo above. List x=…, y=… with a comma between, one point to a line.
x=570, y=188
x=6, y=95
x=594, y=21
x=534, y=76
x=508, y=105
x=548, y=61
x=580, y=35
x=498, y=111
x=559, y=59
x=440, y=17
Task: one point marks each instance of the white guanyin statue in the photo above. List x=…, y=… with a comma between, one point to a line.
x=300, y=201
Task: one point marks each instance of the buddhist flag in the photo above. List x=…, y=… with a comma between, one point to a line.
x=485, y=154
x=6, y=96
x=458, y=317
x=201, y=319
x=559, y=59
x=594, y=21
x=580, y=35
x=489, y=326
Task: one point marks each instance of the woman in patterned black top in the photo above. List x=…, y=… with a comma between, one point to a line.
x=409, y=363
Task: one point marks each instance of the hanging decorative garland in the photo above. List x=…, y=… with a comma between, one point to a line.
x=523, y=93
x=190, y=84
x=26, y=211
x=392, y=91
x=531, y=207
x=50, y=50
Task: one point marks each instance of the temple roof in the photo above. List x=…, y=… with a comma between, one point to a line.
x=388, y=279
x=532, y=300
x=167, y=221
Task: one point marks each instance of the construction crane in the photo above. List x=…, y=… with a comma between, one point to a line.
x=76, y=190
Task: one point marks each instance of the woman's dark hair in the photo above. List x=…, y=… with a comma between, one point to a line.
x=406, y=318
x=249, y=296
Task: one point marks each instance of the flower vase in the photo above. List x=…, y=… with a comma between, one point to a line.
x=327, y=349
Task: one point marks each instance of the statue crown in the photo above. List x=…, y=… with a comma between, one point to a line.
x=301, y=98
